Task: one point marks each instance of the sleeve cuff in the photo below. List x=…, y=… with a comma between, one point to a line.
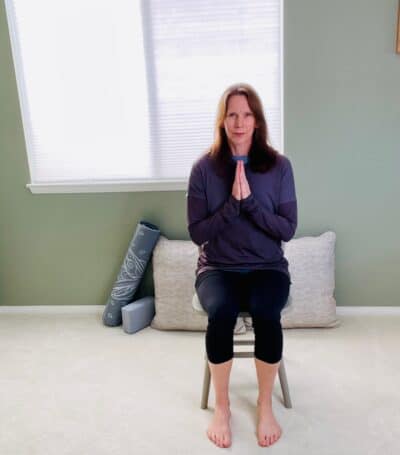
x=248, y=203
x=234, y=205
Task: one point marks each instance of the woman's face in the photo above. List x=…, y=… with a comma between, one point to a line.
x=239, y=121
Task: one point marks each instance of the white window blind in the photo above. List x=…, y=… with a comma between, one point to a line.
x=122, y=95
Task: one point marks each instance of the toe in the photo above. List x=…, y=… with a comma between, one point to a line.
x=270, y=439
x=274, y=438
x=223, y=441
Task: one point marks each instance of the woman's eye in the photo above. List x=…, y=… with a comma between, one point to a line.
x=248, y=114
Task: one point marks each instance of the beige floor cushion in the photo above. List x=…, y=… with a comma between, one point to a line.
x=312, y=268
x=174, y=263
x=311, y=300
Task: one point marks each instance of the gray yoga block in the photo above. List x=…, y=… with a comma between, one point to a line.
x=138, y=314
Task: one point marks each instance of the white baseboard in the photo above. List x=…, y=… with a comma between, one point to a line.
x=71, y=309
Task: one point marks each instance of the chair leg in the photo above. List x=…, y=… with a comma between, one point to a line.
x=206, y=385
x=284, y=385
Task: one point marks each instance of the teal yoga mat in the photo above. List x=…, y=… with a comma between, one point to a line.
x=139, y=252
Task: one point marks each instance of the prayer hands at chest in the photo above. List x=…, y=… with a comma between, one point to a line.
x=240, y=188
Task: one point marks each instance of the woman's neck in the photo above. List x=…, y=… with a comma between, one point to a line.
x=239, y=150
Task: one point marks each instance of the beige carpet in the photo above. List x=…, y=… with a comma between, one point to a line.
x=69, y=385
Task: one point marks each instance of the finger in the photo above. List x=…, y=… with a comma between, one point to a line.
x=243, y=171
x=237, y=167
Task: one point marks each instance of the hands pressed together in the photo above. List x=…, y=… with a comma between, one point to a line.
x=240, y=188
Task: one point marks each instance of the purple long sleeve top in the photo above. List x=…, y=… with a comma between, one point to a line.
x=242, y=234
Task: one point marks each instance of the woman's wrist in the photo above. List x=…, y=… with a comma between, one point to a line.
x=247, y=197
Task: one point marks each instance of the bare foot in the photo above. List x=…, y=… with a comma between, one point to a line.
x=268, y=429
x=219, y=431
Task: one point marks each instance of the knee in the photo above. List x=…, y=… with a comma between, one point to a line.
x=266, y=318
x=266, y=328
x=268, y=341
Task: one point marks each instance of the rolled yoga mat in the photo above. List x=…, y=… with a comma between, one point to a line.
x=132, y=270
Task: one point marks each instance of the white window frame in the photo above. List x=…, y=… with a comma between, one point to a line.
x=115, y=185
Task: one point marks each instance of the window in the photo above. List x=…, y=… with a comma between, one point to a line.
x=122, y=95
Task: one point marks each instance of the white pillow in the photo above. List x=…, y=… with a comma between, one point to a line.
x=311, y=302
x=174, y=263
x=312, y=269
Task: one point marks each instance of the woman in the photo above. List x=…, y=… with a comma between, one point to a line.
x=241, y=203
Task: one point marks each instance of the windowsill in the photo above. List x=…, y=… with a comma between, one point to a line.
x=109, y=187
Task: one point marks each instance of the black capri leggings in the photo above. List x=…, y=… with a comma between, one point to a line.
x=223, y=294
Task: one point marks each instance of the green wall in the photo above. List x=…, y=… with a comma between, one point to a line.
x=342, y=123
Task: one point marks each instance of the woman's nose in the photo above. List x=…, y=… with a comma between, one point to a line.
x=239, y=121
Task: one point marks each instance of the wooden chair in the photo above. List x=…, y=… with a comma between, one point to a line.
x=239, y=354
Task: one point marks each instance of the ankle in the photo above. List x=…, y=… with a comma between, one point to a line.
x=264, y=402
x=223, y=405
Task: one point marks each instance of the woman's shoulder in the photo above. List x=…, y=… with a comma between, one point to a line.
x=283, y=163
x=203, y=161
